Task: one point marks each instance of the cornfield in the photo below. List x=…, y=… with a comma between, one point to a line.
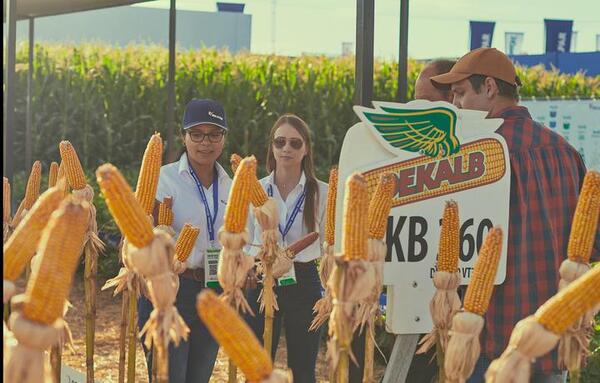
x=107, y=100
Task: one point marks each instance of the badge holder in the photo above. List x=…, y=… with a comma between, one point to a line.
x=289, y=278
x=211, y=265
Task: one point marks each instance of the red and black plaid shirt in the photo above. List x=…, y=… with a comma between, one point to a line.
x=546, y=176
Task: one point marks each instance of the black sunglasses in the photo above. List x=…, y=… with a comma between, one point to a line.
x=295, y=143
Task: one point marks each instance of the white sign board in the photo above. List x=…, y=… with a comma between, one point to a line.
x=578, y=121
x=437, y=153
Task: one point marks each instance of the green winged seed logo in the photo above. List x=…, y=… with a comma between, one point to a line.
x=428, y=131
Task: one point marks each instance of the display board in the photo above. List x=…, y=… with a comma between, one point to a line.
x=437, y=153
x=578, y=121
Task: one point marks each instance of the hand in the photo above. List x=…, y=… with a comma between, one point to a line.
x=251, y=280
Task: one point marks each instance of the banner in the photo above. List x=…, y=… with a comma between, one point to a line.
x=558, y=35
x=481, y=34
x=578, y=121
x=437, y=153
x=513, y=43
x=574, y=35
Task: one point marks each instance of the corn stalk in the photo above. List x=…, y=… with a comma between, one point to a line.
x=133, y=331
x=90, y=273
x=123, y=336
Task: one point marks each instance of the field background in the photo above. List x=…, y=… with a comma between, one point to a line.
x=109, y=101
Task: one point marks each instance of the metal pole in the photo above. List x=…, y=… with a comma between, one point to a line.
x=171, y=85
x=29, y=121
x=402, y=94
x=9, y=86
x=364, y=52
x=365, y=23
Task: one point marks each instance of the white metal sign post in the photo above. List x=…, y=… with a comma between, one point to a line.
x=437, y=153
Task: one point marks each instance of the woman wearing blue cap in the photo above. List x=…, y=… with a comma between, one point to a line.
x=199, y=187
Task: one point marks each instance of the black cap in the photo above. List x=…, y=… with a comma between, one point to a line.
x=204, y=112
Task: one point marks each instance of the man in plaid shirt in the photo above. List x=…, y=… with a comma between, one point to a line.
x=546, y=176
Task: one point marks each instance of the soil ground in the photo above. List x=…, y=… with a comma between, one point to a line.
x=107, y=342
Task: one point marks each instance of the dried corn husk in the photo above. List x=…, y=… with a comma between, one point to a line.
x=573, y=347
x=233, y=268
x=353, y=278
x=322, y=308
x=445, y=302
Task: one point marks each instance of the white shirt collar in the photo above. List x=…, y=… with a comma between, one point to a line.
x=184, y=167
x=301, y=183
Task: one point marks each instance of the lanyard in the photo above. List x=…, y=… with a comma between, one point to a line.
x=295, y=211
x=210, y=219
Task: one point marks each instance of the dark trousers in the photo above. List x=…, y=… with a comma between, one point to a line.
x=295, y=314
x=193, y=360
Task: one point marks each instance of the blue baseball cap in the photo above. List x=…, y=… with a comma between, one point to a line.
x=204, y=111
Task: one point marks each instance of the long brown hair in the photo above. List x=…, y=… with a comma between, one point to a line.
x=312, y=187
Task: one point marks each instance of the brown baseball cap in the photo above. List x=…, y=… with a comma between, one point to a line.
x=482, y=61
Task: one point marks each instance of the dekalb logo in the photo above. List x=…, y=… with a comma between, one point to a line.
x=478, y=163
x=431, y=132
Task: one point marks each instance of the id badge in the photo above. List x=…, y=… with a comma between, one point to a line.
x=211, y=265
x=288, y=278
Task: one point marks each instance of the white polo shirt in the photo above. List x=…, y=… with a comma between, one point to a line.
x=298, y=229
x=176, y=181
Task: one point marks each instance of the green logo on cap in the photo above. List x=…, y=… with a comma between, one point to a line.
x=428, y=131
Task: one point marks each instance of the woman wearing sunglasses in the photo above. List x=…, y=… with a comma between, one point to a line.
x=301, y=199
x=199, y=187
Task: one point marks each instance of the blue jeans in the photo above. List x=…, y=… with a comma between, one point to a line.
x=483, y=363
x=193, y=360
x=295, y=314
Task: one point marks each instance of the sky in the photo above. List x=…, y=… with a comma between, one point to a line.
x=437, y=28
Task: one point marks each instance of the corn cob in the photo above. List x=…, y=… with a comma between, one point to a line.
x=235, y=336
x=5, y=200
x=330, y=212
x=22, y=244
x=480, y=288
x=539, y=333
x=72, y=165
x=165, y=213
x=356, y=206
x=148, y=178
x=61, y=171
x=380, y=205
x=449, y=245
x=301, y=244
x=585, y=220
x=258, y=197
x=60, y=247
x=128, y=214
x=186, y=241
x=236, y=212
x=32, y=191
x=560, y=311
x=52, y=174
x=62, y=176
x=235, y=161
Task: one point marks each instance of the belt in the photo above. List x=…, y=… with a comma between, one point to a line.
x=196, y=274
